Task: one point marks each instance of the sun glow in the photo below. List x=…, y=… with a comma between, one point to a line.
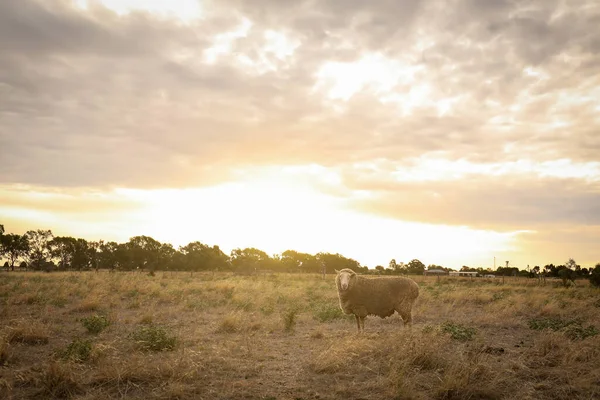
x=275, y=218
x=270, y=209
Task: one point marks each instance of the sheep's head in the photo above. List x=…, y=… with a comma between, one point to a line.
x=344, y=278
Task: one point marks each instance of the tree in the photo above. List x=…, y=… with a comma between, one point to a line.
x=566, y=275
x=39, y=255
x=336, y=261
x=198, y=256
x=107, y=256
x=123, y=257
x=536, y=273
x=415, y=267
x=14, y=247
x=291, y=260
x=93, y=251
x=84, y=255
x=571, y=264
x=294, y=261
x=63, y=249
x=145, y=252
x=396, y=267
x=165, y=256
x=594, y=277
x=249, y=260
x=507, y=271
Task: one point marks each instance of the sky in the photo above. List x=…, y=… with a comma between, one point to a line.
x=455, y=132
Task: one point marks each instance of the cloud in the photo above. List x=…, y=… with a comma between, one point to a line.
x=498, y=204
x=91, y=99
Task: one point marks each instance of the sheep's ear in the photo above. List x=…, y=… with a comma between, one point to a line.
x=336, y=271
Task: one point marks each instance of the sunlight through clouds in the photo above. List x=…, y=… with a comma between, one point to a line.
x=270, y=215
x=184, y=10
x=223, y=42
x=341, y=80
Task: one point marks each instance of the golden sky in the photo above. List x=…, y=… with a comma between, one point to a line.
x=452, y=132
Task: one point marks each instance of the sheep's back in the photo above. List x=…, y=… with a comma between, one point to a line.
x=380, y=295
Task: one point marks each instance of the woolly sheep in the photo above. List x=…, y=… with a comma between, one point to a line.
x=362, y=296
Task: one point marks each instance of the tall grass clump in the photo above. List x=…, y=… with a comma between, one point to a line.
x=31, y=334
x=289, y=319
x=58, y=381
x=4, y=352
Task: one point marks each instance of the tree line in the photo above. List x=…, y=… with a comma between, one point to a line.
x=40, y=250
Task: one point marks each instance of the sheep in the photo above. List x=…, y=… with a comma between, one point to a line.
x=362, y=296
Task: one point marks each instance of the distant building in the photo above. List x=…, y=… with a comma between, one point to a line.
x=462, y=273
x=435, y=272
x=489, y=276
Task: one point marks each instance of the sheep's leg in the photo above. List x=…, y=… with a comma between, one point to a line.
x=362, y=324
x=406, y=315
x=357, y=322
x=407, y=318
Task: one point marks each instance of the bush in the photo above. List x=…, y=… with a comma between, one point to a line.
x=595, y=276
x=552, y=323
x=95, y=323
x=458, y=331
x=328, y=312
x=79, y=350
x=154, y=338
x=572, y=328
x=578, y=332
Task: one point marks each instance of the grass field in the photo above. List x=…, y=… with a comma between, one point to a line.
x=220, y=336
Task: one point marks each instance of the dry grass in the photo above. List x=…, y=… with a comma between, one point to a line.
x=28, y=332
x=4, y=352
x=282, y=336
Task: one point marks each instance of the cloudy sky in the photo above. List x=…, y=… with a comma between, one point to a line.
x=449, y=131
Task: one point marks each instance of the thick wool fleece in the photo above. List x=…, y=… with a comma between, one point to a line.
x=379, y=296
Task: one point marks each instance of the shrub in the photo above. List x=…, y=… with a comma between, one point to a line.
x=578, y=332
x=458, y=331
x=95, y=323
x=572, y=328
x=328, y=312
x=78, y=350
x=154, y=338
x=553, y=323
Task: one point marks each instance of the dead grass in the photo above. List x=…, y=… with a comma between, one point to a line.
x=58, y=380
x=282, y=336
x=4, y=352
x=28, y=332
